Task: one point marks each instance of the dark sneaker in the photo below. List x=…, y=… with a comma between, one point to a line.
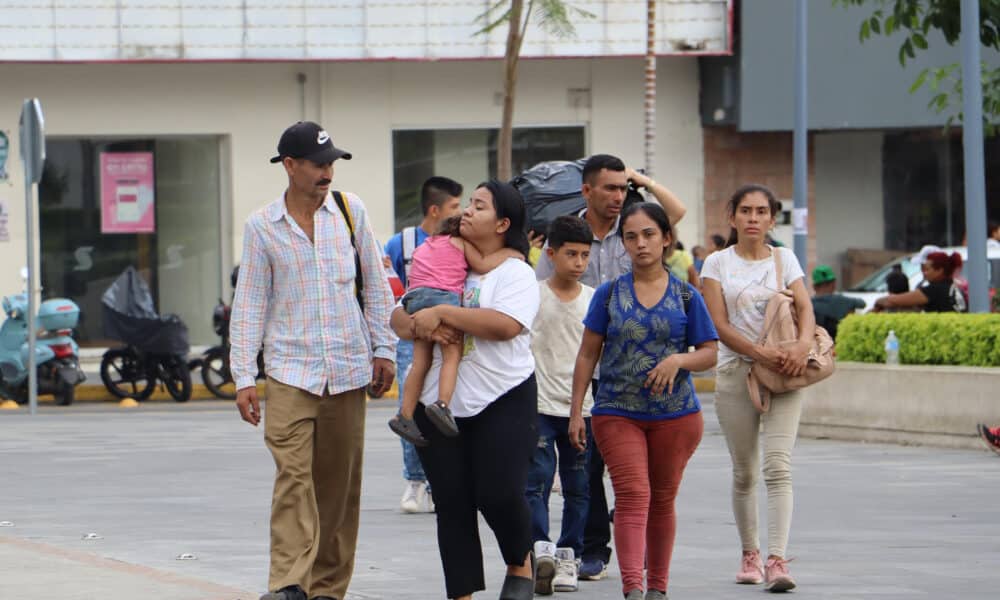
x=440, y=415
x=517, y=588
x=655, y=595
x=593, y=569
x=292, y=592
x=634, y=595
x=990, y=437
x=408, y=430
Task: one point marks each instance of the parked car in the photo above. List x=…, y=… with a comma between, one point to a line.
x=874, y=287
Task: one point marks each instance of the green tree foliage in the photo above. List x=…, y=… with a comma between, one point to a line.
x=553, y=16
x=915, y=19
x=924, y=338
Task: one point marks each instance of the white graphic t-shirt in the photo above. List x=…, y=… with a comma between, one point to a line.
x=491, y=368
x=747, y=286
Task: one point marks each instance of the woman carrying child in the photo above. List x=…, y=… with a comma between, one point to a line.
x=437, y=276
x=485, y=468
x=646, y=418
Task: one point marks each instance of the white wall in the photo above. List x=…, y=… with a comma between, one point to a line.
x=360, y=103
x=849, y=204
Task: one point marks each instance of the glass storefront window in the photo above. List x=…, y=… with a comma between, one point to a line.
x=469, y=157
x=165, y=223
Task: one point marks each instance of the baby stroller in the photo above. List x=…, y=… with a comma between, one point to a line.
x=156, y=347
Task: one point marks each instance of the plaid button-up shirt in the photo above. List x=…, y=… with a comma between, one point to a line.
x=297, y=298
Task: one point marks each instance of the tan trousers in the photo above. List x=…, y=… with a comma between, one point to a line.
x=743, y=426
x=317, y=444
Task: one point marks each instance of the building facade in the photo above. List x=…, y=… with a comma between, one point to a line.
x=158, y=140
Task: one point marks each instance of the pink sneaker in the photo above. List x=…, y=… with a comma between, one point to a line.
x=751, y=568
x=776, y=576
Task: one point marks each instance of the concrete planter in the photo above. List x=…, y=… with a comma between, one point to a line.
x=907, y=404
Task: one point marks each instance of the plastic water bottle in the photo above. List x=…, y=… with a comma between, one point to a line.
x=891, y=348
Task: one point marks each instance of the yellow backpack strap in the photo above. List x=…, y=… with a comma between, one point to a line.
x=359, y=282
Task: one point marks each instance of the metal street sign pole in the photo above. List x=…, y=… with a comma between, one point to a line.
x=32, y=132
x=800, y=151
x=972, y=142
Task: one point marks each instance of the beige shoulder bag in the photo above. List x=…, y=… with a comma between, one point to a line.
x=781, y=331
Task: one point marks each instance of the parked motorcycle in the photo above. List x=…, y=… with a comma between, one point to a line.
x=214, y=362
x=156, y=347
x=56, y=352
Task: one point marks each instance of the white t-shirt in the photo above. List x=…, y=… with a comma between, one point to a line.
x=747, y=286
x=555, y=340
x=489, y=368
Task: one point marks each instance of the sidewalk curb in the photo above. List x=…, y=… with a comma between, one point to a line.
x=98, y=393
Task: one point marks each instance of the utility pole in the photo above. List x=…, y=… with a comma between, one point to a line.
x=800, y=212
x=972, y=142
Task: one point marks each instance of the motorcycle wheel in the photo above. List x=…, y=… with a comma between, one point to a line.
x=215, y=373
x=65, y=395
x=177, y=378
x=124, y=375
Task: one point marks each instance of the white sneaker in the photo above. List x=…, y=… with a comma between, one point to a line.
x=428, y=503
x=545, y=567
x=413, y=496
x=566, y=576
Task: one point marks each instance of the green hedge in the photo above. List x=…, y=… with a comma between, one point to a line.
x=924, y=338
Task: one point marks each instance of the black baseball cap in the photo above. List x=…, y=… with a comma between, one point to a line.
x=308, y=140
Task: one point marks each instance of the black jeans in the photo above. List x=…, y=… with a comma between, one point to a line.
x=597, y=533
x=484, y=469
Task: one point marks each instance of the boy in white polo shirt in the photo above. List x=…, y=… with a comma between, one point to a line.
x=555, y=339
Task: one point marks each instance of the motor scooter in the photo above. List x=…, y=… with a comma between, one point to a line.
x=56, y=352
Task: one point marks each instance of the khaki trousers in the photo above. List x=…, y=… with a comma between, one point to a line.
x=744, y=429
x=317, y=444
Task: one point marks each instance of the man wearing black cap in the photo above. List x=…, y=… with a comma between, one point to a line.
x=312, y=290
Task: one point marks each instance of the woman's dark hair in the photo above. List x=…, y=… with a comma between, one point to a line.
x=508, y=204
x=739, y=195
x=940, y=260
x=991, y=228
x=450, y=226
x=652, y=210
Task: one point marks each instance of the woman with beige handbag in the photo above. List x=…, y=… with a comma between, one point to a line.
x=738, y=283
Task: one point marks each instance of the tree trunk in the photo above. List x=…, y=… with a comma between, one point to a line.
x=513, y=52
x=650, y=95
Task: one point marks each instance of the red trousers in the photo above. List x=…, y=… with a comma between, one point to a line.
x=646, y=460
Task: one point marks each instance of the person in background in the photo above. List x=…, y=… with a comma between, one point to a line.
x=681, y=264
x=993, y=236
x=699, y=253
x=938, y=293
x=830, y=307
x=990, y=436
x=535, y=242
x=896, y=282
x=555, y=338
x=440, y=198
x=718, y=243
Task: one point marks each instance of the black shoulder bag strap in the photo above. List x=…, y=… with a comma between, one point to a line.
x=359, y=280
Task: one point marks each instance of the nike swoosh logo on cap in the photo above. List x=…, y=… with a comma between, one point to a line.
x=323, y=137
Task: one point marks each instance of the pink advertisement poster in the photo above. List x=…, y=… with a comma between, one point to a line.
x=127, y=202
